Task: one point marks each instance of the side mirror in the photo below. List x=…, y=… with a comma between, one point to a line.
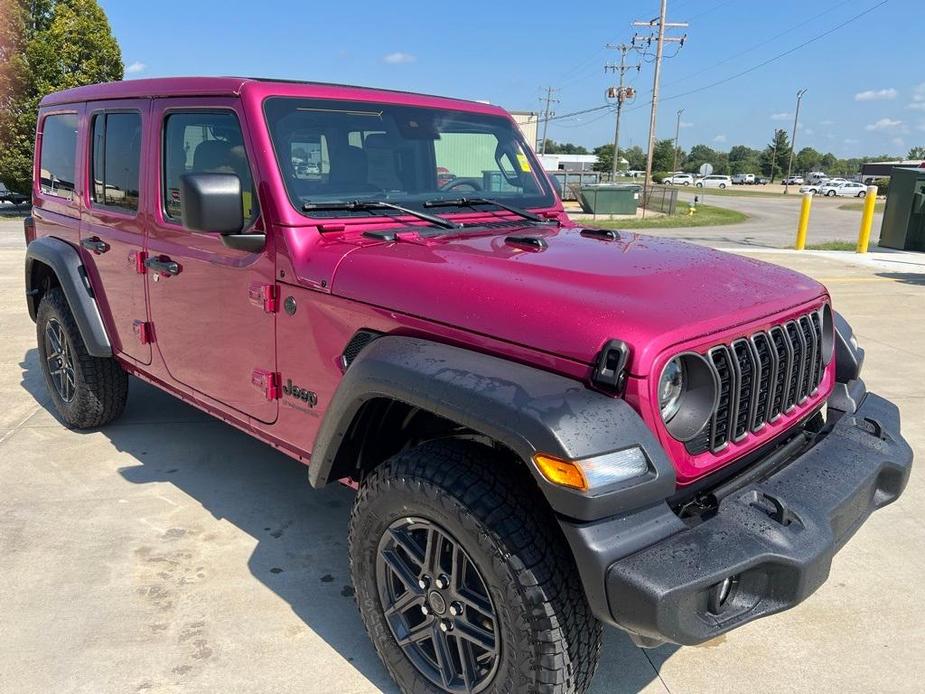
x=212, y=203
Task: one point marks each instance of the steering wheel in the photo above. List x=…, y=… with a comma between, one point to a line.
x=459, y=182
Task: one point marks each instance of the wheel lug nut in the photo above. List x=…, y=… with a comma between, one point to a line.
x=443, y=581
x=425, y=610
x=446, y=625
x=424, y=582
x=456, y=608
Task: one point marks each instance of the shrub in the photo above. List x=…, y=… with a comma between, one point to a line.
x=659, y=176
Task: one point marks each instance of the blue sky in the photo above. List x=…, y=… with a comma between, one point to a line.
x=865, y=81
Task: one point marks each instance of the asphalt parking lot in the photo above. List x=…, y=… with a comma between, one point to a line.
x=169, y=552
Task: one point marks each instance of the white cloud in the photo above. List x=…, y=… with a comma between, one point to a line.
x=884, y=124
x=719, y=138
x=781, y=116
x=918, y=98
x=876, y=95
x=135, y=68
x=398, y=58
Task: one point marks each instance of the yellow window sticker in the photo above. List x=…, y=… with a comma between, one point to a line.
x=524, y=163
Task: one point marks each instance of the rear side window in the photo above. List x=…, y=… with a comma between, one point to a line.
x=206, y=142
x=115, y=160
x=59, y=151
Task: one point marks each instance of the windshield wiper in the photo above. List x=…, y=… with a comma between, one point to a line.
x=473, y=202
x=379, y=205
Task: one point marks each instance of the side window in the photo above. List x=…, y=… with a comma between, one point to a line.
x=58, y=157
x=204, y=142
x=115, y=160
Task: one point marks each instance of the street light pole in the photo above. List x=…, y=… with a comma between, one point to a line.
x=793, y=140
x=677, y=134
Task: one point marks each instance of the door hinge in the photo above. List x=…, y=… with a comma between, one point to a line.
x=144, y=331
x=265, y=296
x=140, y=267
x=270, y=382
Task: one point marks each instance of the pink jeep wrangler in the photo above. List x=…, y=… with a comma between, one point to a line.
x=549, y=426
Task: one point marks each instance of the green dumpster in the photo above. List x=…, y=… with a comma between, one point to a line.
x=609, y=198
x=903, y=224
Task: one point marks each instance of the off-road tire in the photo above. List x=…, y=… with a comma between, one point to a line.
x=550, y=641
x=100, y=384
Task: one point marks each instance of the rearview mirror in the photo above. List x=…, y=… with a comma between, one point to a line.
x=212, y=202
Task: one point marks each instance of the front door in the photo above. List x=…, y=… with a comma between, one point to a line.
x=112, y=226
x=210, y=325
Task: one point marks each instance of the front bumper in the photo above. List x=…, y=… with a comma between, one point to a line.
x=657, y=577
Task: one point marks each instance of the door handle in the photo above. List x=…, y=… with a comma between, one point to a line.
x=163, y=265
x=95, y=244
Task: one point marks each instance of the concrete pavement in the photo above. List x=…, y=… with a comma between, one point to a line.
x=169, y=552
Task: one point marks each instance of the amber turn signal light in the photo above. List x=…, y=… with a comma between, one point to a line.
x=562, y=472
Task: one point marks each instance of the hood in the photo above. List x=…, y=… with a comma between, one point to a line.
x=576, y=292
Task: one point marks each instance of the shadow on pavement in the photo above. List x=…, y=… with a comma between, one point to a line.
x=916, y=278
x=300, y=533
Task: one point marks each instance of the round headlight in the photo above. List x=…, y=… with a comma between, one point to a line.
x=670, y=388
x=687, y=394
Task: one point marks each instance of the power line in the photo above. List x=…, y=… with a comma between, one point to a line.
x=756, y=46
x=779, y=55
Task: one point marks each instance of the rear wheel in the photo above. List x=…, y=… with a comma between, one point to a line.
x=722, y=185
x=463, y=579
x=87, y=391
x=862, y=194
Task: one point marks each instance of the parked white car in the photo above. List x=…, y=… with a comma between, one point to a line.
x=793, y=181
x=745, y=179
x=714, y=181
x=680, y=179
x=848, y=189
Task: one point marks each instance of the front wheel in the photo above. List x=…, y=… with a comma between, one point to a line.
x=830, y=194
x=862, y=194
x=700, y=185
x=463, y=579
x=722, y=185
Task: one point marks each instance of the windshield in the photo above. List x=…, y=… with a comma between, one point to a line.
x=342, y=151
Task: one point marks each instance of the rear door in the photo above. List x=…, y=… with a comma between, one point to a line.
x=112, y=229
x=211, y=323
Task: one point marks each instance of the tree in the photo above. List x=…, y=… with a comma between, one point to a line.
x=807, y=160
x=663, y=156
x=46, y=46
x=773, y=160
x=604, y=155
x=553, y=147
x=700, y=155
x=916, y=153
x=635, y=157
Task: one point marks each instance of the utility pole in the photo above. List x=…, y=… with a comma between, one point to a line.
x=547, y=115
x=793, y=140
x=677, y=134
x=622, y=94
x=660, y=23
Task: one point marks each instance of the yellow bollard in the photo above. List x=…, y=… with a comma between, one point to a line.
x=804, y=221
x=867, y=219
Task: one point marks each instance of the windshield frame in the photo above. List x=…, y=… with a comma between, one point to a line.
x=546, y=196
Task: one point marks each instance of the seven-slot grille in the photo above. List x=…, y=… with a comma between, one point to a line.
x=760, y=378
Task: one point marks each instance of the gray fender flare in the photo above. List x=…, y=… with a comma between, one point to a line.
x=64, y=261
x=524, y=408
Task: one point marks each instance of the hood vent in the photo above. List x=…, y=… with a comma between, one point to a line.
x=603, y=234
x=528, y=243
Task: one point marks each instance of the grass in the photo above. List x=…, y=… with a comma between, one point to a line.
x=705, y=216
x=858, y=206
x=837, y=246
x=740, y=191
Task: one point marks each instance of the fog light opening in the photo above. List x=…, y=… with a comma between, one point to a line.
x=721, y=594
